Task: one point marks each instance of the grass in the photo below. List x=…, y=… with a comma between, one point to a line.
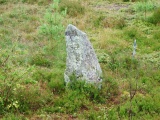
x=32, y=66
x=147, y=5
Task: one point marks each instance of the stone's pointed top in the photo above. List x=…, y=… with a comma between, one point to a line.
x=70, y=26
x=72, y=30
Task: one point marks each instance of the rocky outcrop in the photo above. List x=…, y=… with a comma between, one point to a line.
x=81, y=58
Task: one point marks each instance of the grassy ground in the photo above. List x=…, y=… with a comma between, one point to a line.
x=32, y=63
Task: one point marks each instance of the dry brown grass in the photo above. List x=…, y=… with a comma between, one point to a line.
x=109, y=39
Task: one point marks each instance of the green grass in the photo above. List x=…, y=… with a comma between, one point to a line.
x=32, y=63
x=146, y=5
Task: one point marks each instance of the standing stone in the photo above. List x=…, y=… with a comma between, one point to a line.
x=81, y=58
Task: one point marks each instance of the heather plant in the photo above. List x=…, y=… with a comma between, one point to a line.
x=40, y=2
x=131, y=32
x=98, y=20
x=110, y=22
x=90, y=90
x=40, y=60
x=74, y=8
x=10, y=80
x=155, y=18
x=126, y=0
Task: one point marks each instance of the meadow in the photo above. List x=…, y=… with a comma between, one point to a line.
x=33, y=60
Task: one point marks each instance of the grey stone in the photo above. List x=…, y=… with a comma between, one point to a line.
x=81, y=57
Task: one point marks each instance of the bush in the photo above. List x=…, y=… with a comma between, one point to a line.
x=90, y=90
x=132, y=32
x=113, y=22
x=10, y=79
x=155, y=18
x=74, y=8
x=43, y=75
x=31, y=97
x=57, y=85
x=36, y=1
x=98, y=21
x=3, y=1
x=144, y=6
x=156, y=35
x=126, y=0
x=12, y=116
x=109, y=88
x=40, y=60
x=40, y=2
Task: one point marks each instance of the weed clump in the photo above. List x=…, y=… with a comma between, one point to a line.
x=126, y=0
x=78, y=95
x=144, y=6
x=109, y=22
x=40, y=60
x=40, y=2
x=131, y=32
x=31, y=97
x=74, y=8
x=90, y=90
x=155, y=18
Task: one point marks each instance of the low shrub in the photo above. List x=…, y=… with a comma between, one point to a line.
x=144, y=6
x=1, y=21
x=42, y=75
x=120, y=23
x=114, y=64
x=132, y=32
x=156, y=35
x=40, y=2
x=109, y=89
x=36, y=1
x=57, y=85
x=12, y=116
x=3, y=1
x=90, y=90
x=98, y=21
x=126, y=0
x=31, y=98
x=40, y=60
x=70, y=102
x=74, y=8
x=10, y=78
x=113, y=22
x=155, y=18
x=130, y=63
